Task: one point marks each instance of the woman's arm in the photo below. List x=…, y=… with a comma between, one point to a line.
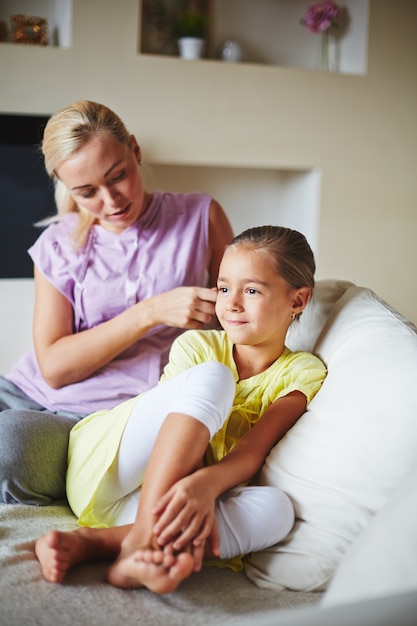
x=66, y=357
x=187, y=510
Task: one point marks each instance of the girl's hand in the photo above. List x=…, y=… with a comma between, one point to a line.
x=186, y=513
x=209, y=548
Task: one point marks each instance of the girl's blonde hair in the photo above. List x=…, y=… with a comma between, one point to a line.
x=288, y=250
x=66, y=132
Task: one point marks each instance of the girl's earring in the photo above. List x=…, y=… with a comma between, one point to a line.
x=293, y=316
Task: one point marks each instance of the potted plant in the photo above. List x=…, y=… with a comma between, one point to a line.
x=191, y=31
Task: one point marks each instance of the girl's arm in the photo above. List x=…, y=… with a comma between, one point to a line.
x=187, y=509
x=66, y=357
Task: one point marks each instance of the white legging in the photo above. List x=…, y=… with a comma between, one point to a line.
x=248, y=518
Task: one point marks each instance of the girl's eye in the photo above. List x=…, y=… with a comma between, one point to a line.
x=222, y=289
x=252, y=291
x=88, y=194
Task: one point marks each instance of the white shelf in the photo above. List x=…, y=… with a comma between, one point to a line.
x=270, y=32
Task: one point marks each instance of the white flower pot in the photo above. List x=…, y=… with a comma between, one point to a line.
x=191, y=48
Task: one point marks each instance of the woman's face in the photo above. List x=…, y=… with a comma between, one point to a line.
x=103, y=178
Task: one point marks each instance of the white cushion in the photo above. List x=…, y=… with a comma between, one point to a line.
x=383, y=561
x=353, y=447
x=303, y=334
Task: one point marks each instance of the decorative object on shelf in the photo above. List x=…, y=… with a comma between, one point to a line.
x=29, y=29
x=157, y=33
x=320, y=18
x=191, y=28
x=191, y=48
x=163, y=22
x=231, y=51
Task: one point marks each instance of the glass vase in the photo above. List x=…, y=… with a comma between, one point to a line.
x=325, y=64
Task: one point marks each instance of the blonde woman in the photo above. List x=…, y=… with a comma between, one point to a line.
x=119, y=274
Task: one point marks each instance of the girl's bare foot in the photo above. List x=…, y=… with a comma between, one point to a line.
x=58, y=551
x=158, y=571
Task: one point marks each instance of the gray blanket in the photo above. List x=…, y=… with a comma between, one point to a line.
x=213, y=596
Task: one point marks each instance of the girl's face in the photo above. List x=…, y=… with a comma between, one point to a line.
x=103, y=178
x=254, y=303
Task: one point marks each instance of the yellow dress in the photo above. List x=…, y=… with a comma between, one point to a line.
x=95, y=440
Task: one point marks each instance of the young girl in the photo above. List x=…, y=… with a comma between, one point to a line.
x=189, y=446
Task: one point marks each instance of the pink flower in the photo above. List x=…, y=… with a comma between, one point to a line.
x=321, y=16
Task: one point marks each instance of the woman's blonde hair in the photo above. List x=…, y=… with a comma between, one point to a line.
x=66, y=132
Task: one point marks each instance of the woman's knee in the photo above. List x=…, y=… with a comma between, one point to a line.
x=33, y=456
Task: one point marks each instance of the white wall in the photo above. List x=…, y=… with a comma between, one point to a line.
x=359, y=133
x=16, y=309
x=251, y=196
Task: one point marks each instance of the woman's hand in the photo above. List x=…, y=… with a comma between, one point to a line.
x=183, y=307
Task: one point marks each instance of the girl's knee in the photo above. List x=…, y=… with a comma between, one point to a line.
x=214, y=369
x=253, y=518
x=207, y=393
x=281, y=508
x=216, y=377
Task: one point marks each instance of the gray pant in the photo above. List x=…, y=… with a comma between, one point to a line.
x=33, y=448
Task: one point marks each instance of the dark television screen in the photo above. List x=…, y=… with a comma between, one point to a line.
x=26, y=191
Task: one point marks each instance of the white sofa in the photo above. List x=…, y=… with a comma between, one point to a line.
x=350, y=467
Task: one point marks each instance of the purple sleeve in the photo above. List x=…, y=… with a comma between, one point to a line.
x=54, y=260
